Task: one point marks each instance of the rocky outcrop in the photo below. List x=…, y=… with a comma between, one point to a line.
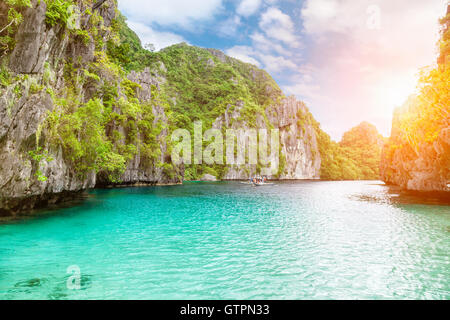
x=424, y=168
x=24, y=105
x=299, y=156
x=33, y=41
x=138, y=171
x=417, y=156
x=298, y=141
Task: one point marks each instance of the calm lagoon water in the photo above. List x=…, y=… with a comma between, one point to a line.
x=304, y=240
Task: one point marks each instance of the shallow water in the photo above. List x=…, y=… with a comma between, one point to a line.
x=304, y=240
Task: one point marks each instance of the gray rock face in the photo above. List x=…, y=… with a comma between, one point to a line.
x=137, y=171
x=33, y=41
x=17, y=173
x=298, y=141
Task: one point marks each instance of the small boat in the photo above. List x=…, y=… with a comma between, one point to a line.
x=262, y=184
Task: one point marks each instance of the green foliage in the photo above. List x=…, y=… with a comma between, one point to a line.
x=38, y=156
x=444, y=43
x=82, y=135
x=356, y=157
x=205, y=86
x=129, y=52
x=418, y=125
x=428, y=112
x=58, y=12
x=5, y=76
x=362, y=145
x=282, y=164
x=13, y=20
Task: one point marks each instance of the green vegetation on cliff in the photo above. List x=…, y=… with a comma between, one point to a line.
x=417, y=155
x=356, y=157
x=126, y=50
x=100, y=120
x=198, y=84
x=204, y=82
x=10, y=22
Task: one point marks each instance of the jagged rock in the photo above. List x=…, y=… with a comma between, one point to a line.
x=21, y=116
x=210, y=63
x=33, y=41
x=425, y=169
x=298, y=141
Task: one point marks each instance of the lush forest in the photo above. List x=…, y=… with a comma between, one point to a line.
x=356, y=157
x=195, y=84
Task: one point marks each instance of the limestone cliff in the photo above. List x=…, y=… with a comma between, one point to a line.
x=77, y=112
x=38, y=82
x=417, y=155
x=299, y=152
x=421, y=167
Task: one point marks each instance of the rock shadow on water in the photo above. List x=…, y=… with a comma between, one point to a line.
x=28, y=287
x=31, y=283
x=397, y=196
x=61, y=292
x=48, y=210
x=44, y=287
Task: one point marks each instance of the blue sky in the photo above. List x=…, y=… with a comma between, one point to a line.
x=350, y=61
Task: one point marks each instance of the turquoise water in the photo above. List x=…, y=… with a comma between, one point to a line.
x=306, y=240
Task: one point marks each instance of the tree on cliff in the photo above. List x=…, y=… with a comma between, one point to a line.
x=417, y=155
x=363, y=145
x=356, y=157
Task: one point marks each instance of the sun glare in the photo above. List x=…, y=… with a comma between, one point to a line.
x=392, y=92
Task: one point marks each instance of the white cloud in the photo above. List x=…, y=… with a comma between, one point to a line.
x=248, y=7
x=278, y=25
x=268, y=48
x=366, y=72
x=317, y=13
x=276, y=64
x=158, y=39
x=267, y=45
x=230, y=26
x=304, y=90
x=271, y=63
x=303, y=84
x=181, y=13
x=243, y=53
